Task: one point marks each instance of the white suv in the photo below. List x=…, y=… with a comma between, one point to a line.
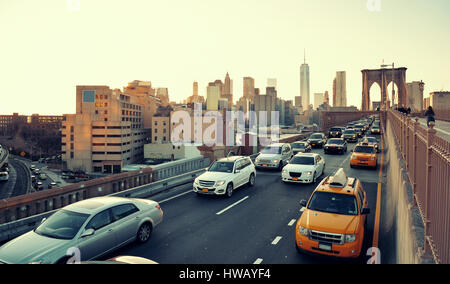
x=226, y=175
x=274, y=156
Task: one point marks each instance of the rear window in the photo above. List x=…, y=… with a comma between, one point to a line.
x=336, y=141
x=335, y=129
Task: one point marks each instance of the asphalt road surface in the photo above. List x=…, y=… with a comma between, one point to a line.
x=256, y=225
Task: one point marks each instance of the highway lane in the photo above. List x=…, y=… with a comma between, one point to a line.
x=256, y=225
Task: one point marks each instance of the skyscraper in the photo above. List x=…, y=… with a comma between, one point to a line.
x=318, y=100
x=304, y=84
x=341, y=89
x=227, y=91
x=272, y=82
x=249, y=88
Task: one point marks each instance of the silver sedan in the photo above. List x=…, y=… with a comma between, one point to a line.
x=85, y=230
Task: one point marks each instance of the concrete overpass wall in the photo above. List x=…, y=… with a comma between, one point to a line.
x=401, y=214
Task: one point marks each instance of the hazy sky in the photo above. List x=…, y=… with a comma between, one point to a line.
x=48, y=47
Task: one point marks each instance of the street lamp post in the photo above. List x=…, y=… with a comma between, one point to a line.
x=393, y=79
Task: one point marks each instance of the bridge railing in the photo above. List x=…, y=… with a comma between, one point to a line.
x=24, y=206
x=427, y=159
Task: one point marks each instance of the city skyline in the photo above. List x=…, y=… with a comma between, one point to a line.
x=46, y=51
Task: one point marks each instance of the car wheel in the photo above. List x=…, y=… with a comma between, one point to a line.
x=229, y=190
x=252, y=180
x=144, y=232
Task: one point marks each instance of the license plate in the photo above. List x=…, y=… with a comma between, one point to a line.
x=295, y=179
x=313, y=144
x=264, y=165
x=205, y=190
x=325, y=247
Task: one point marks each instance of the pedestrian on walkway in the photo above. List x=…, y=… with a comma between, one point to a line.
x=429, y=113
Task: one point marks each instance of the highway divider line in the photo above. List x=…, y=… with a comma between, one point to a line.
x=175, y=196
x=276, y=240
x=376, y=227
x=232, y=205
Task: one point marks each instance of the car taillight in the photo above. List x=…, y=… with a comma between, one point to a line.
x=158, y=207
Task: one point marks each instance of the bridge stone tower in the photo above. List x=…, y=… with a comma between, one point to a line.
x=383, y=77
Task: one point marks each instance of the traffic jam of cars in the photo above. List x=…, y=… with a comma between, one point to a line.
x=332, y=223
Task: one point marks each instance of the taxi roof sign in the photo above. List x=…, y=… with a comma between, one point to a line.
x=339, y=179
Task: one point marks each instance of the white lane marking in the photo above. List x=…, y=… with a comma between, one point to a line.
x=292, y=222
x=232, y=205
x=173, y=197
x=277, y=239
x=258, y=261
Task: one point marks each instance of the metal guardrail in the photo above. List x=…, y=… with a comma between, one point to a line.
x=14, y=229
x=427, y=159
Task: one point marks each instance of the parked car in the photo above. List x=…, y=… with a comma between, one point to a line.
x=300, y=147
x=335, y=145
x=274, y=156
x=95, y=226
x=304, y=168
x=317, y=140
x=334, y=219
x=226, y=175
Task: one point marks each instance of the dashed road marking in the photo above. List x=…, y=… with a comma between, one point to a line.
x=258, y=261
x=276, y=240
x=292, y=222
x=232, y=205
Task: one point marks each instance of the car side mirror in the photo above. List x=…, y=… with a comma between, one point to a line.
x=237, y=171
x=365, y=211
x=303, y=203
x=87, y=233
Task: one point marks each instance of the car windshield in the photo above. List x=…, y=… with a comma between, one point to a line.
x=271, y=150
x=302, y=160
x=63, y=224
x=336, y=141
x=298, y=145
x=335, y=129
x=371, y=139
x=333, y=203
x=349, y=132
x=375, y=127
x=316, y=136
x=364, y=149
x=222, y=167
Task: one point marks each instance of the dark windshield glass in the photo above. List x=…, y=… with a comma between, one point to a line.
x=222, y=167
x=349, y=132
x=302, y=160
x=371, y=139
x=333, y=203
x=63, y=224
x=316, y=136
x=271, y=150
x=335, y=129
x=336, y=141
x=298, y=145
x=364, y=149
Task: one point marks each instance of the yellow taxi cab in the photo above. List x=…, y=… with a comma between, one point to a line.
x=333, y=221
x=365, y=155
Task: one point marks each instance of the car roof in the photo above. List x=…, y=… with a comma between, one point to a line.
x=338, y=183
x=96, y=204
x=307, y=154
x=231, y=159
x=277, y=144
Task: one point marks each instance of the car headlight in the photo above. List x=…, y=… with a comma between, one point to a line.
x=353, y=157
x=303, y=231
x=309, y=173
x=196, y=181
x=284, y=171
x=257, y=160
x=372, y=159
x=275, y=161
x=350, y=238
x=221, y=182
